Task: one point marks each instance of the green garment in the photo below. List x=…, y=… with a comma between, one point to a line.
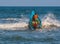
x=36, y=21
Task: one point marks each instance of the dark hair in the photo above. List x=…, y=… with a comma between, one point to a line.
x=35, y=13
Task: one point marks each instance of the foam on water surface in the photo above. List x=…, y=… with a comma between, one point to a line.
x=48, y=21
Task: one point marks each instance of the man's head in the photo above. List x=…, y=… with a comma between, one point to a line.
x=35, y=16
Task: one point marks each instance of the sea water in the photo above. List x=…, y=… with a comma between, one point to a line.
x=14, y=21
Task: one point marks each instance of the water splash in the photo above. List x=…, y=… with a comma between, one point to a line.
x=50, y=20
x=21, y=23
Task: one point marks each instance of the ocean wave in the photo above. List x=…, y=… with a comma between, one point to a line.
x=48, y=21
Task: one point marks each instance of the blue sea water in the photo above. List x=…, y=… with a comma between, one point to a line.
x=11, y=31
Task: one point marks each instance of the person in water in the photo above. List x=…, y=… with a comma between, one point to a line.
x=35, y=21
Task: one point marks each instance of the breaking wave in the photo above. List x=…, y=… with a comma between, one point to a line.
x=48, y=21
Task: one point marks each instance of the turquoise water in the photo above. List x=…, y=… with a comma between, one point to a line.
x=9, y=16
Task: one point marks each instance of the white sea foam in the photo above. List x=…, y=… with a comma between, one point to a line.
x=48, y=20
x=22, y=23
x=13, y=25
